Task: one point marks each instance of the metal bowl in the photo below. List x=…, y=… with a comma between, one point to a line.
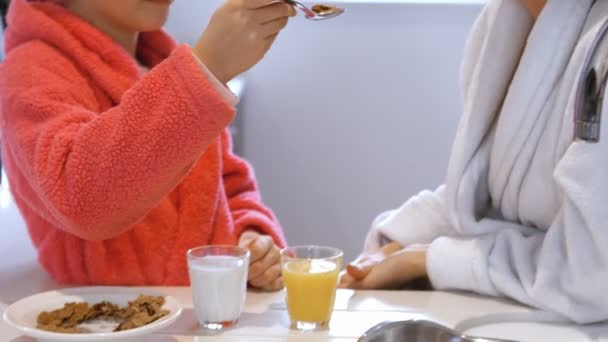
x=418, y=331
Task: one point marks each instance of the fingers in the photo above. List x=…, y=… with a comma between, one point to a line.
x=391, y=248
x=255, y=4
x=247, y=237
x=274, y=27
x=346, y=280
x=394, y=272
x=361, y=267
x=265, y=261
x=271, y=5
x=292, y=11
x=277, y=10
x=270, y=39
x=269, y=280
x=273, y=19
x=277, y=284
x=257, y=269
x=359, y=270
x=259, y=247
x=378, y=278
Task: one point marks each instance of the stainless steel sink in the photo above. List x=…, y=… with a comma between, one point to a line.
x=418, y=331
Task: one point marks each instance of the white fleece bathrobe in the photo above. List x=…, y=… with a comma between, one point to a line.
x=524, y=209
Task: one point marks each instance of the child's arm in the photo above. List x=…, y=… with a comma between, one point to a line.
x=96, y=174
x=244, y=199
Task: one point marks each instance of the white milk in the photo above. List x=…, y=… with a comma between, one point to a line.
x=219, y=287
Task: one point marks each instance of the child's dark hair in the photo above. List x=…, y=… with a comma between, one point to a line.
x=3, y=9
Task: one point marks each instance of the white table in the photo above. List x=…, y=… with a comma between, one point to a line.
x=265, y=318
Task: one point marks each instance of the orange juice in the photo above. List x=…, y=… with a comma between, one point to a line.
x=311, y=289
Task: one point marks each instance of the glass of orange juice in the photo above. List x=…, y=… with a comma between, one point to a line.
x=310, y=274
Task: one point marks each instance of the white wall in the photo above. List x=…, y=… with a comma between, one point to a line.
x=349, y=117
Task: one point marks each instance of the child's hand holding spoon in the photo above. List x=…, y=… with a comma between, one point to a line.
x=317, y=12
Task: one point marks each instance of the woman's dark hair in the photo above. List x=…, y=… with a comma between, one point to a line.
x=3, y=9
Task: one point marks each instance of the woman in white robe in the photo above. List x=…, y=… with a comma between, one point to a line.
x=523, y=212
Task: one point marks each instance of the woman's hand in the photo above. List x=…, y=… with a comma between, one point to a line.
x=392, y=267
x=239, y=34
x=265, y=261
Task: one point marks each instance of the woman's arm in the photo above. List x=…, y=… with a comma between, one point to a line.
x=563, y=270
x=419, y=220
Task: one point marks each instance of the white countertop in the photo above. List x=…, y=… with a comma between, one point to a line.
x=265, y=317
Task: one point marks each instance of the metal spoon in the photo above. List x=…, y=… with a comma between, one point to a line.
x=318, y=12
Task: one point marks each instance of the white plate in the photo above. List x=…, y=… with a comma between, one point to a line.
x=23, y=313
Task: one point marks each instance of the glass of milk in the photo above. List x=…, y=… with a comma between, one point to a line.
x=218, y=277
